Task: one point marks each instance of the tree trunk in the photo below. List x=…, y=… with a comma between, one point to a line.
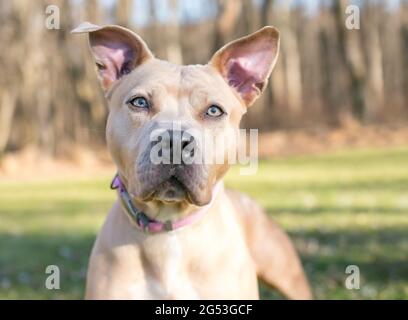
x=375, y=85
x=352, y=58
x=228, y=14
x=173, y=50
x=290, y=52
x=124, y=12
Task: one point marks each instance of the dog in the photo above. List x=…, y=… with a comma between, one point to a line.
x=175, y=231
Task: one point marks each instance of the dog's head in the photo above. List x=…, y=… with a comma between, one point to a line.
x=156, y=107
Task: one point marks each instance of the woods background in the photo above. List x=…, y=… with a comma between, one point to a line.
x=333, y=89
x=326, y=75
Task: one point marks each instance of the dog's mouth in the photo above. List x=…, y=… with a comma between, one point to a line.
x=171, y=190
x=188, y=184
x=175, y=190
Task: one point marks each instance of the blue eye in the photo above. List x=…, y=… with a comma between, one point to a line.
x=139, y=102
x=214, y=111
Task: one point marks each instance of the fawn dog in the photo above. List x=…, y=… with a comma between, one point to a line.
x=175, y=231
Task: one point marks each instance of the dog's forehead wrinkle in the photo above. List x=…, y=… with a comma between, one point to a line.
x=199, y=85
x=193, y=74
x=156, y=70
x=158, y=77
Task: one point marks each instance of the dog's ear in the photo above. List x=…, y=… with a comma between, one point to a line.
x=247, y=63
x=117, y=50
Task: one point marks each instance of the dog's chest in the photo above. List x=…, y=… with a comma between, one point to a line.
x=167, y=277
x=197, y=267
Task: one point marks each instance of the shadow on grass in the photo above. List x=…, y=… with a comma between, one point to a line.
x=380, y=255
x=331, y=210
x=24, y=258
x=394, y=184
x=63, y=207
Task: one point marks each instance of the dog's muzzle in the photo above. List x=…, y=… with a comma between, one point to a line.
x=171, y=169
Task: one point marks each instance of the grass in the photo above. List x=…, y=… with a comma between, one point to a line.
x=343, y=209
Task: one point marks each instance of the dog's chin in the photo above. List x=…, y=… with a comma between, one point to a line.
x=170, y=191
x=173, y=191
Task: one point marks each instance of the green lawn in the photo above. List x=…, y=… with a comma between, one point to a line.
x=343, y=209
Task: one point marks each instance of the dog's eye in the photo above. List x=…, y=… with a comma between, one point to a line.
x=214, y=111
x=139, y=102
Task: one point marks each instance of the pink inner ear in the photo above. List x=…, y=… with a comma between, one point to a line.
x=241, y=78
x=114, y=59
x=247, y=69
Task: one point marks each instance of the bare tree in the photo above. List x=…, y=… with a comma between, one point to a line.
x=123, y=12
x=352, y=57
x=290, y=53
x=228, y=14
x=173, y=49
x=375, y=85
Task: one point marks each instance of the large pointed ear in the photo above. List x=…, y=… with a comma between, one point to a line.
x=117, y=50
x=247, y=63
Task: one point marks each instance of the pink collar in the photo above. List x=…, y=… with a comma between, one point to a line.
x=148, y=225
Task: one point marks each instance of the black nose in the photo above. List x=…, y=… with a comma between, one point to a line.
x=178, y=144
